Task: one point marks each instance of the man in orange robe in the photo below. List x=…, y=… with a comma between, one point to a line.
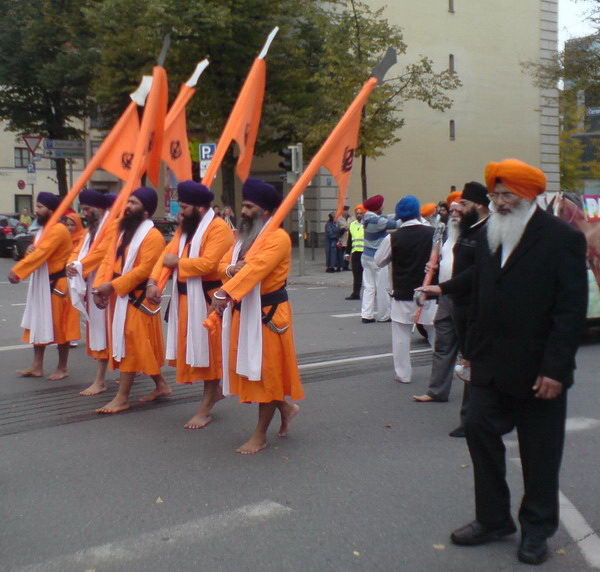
x=257, y=317
x=204, y=240
x=136, y=332
x=49, y=317
x=81, y=271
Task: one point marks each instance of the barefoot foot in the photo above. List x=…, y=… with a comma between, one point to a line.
x=94, y=389
x=57, y=375
x=423, y=398
x=198, y=421
x=158, y=392
x=30, y=372
x=115, y=406
x=252, y=446
x=287, y=415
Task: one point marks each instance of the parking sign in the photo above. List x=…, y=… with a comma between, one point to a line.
x=206, y=152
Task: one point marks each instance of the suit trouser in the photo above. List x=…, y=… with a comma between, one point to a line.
x=401, y=338
x=460, y=317
x=540, y=426
x=375, y=295
x=445, y=351
x=357, y=272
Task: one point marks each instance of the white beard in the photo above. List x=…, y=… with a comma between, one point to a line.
x=507, y=230
x=453, y=230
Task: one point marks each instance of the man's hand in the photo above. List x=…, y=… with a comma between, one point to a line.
x=233, y=269
x=29, y=249
x=71, y=270
x=430, y=291
x=547, y=388
x=171, y=260
x=104, y=290
x=13, y=278
x=431, y=267
x=100, y=301
x=219, y=302
x=153, y=294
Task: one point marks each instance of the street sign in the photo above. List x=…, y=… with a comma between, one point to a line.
x=31, y=175
x=64, y=144
x=206, y=152
x=63, y=153
x=21, y=184
x=30, y=168
x=32, y=142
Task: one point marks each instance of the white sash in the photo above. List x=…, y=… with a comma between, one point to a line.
x=197, y=348
x=250, y=343
x=79, y=288
x=37, y=317
x=121, y=303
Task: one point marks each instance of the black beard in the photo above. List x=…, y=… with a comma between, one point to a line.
x=43, y=219
x=467, y=220
x=189, y=224
x=130, y=222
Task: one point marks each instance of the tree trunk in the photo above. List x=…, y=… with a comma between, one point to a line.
x=363, y=176
x=61, y=176
x=228, y=175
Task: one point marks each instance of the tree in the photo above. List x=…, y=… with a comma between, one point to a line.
x=46, y=66
x=572, y=166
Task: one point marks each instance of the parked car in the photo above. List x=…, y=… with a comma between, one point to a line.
x=9, y=227
x=166, y=226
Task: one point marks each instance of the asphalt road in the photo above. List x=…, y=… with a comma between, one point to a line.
x=367, y=480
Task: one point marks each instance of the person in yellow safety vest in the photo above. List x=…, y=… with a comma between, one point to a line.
x=354, y=250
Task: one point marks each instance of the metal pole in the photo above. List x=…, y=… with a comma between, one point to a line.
x=301, y=256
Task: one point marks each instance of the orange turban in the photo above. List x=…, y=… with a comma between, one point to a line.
x=359, y=208
x=453, y=197
x=521, y=178
x=428, y=209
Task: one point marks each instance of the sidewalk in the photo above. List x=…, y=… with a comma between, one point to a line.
x=314, y=271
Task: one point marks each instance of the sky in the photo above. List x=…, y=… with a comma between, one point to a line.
x=571, y=19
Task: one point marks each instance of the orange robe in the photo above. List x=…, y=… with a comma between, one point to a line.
x=280, y=375
x=89, y=264
x=54, y=249
x=217, y=240
x=144, y=348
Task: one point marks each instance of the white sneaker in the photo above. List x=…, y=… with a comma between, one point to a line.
x=463, y=372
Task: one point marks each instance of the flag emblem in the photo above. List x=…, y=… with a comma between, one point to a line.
x=175, y=149
x=347, y=160
x=126, y=160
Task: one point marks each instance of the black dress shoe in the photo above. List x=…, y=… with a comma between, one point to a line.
x=458, y=432
x=533, y=550
x=368, y=320
x=476, y=533
x=353, y=297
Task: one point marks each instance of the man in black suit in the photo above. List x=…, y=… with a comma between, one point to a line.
x=529, y=301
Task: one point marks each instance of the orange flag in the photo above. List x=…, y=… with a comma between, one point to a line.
x=176, y=152
x=120, y=158
x=125, y=128
x=243, y=122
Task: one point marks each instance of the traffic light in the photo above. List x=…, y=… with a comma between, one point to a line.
x=286, y=164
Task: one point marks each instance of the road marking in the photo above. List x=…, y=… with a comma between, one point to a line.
x=19, y=347
x=317, y=288
x=578, y=528
x=354, y=359
x=154, y=543
x=20, y=304
x=573, y=425
x=353, y=315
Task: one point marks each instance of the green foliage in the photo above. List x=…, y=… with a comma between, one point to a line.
x=572, y=165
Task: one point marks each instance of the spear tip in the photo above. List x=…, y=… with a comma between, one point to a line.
x=381, y=69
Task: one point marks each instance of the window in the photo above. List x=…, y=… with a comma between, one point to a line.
x=451, y=6
x=452, y=130
x=53, y=164
x=451, y=62
x=22, y=157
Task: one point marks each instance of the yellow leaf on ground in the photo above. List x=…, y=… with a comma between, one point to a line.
x=388, y=426
x=464, y=466
x=561, y=551
x=356, y=553
x=159, y=500
x=439, y=546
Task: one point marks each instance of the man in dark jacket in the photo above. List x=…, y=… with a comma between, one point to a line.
x=529, y=294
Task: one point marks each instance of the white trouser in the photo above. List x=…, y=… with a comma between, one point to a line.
x=375, y=284
x=401, y=337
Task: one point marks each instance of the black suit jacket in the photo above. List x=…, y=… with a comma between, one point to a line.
x=527, y=318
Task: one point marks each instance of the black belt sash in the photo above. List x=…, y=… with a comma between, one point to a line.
x=272, y=299
x=207, y=286
x=54, y=278
x=136, y=301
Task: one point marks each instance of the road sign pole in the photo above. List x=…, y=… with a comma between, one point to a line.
x=298, y=164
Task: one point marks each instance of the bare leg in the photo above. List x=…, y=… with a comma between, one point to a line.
x=37, y=367
x=162, y=389
x=61, y=368
x=258, y=440
x=212, y=394
x=121, y=401
x=99, y=384
x=288, y=411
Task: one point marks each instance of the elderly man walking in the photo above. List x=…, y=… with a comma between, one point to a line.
x=529, y=302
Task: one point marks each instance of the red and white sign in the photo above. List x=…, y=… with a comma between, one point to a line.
x=21, y=184
x=32, y=142
x=591, y=206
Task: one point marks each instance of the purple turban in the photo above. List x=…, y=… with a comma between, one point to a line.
x=49, y=200
x=93, y=198
x=148, y=198
x=192, y=193
x=262, y=194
